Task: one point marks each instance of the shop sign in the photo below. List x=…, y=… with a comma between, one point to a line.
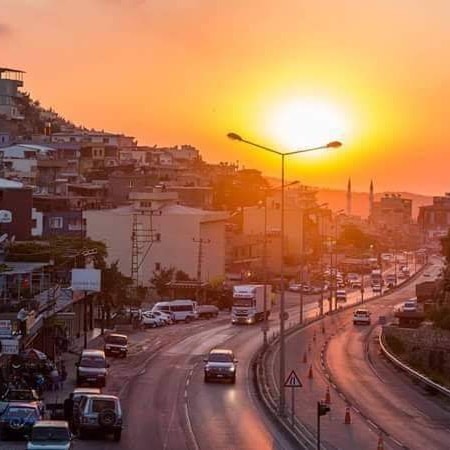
x=10, y=346
x=5, y=328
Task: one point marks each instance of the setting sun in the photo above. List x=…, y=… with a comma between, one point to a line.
x=303, y=123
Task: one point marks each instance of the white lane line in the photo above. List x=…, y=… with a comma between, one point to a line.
x=357, y=411
x=189, y=426
x=188, y=381
x=399, y=443
x=372, y=424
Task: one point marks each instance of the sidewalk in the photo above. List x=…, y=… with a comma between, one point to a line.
x=94, y=340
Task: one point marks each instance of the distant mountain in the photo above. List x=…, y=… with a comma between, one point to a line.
x=360, y=200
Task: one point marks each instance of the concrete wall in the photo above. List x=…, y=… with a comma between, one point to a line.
x=424, y=346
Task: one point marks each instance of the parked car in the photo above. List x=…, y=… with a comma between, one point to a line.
x=18, y=419
x=355, y=284
x=150, y=321
x=21, y=396
x=207, y=311
x=361, y=316
x=92, y=367
x=220, y=365
x=296, y=287
x=99, y=413
x=116, y=345
x=166, y=317
x=181, y=310
x=50, y=435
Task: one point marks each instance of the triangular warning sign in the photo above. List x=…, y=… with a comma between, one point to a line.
x=293, y=380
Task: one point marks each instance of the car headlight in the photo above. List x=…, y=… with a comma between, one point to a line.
x=232, y=369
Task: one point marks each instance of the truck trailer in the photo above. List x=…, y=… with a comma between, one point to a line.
x=248, y=303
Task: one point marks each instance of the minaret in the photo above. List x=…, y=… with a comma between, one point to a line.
x=371, y=198
x=349, y=197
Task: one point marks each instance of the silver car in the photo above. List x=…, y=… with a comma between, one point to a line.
x=99, y=413
x=220, y=365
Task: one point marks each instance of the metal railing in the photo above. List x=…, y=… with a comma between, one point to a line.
x=409, y=370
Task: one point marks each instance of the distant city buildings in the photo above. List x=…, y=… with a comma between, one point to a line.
x=10, y=82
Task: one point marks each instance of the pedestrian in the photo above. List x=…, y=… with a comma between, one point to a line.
x=63, y=375
x=68, y=410
x=54, y=378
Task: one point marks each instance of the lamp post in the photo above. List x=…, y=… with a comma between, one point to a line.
x=330, y=145
x=265, y=326
x=307, y=211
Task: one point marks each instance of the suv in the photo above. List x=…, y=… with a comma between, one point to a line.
x=92, y=368
x=18, y=419
x=99, y=413
x=361, y=316
x=50, y=434
x=116, y=345
x=220, y=365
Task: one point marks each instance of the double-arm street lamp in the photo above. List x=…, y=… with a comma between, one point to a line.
x=330, y=145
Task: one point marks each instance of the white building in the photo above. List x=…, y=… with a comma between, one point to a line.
x=176, y=229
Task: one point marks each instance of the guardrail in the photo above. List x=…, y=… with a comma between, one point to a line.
x=417, y=375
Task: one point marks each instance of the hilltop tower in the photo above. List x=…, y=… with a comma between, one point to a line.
x=349, y=197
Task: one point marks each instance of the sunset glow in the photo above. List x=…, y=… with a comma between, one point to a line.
x=306, y=123
x=287, y=74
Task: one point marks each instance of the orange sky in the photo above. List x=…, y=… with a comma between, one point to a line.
x=188, y=71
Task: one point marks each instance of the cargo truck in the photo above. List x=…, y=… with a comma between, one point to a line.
x=376, y=278
x=248, y=303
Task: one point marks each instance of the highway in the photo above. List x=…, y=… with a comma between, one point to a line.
x=168, y=406
x=382, y=401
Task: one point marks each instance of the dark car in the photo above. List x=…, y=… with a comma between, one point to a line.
x=116, y=345
x=92, y=368
x=18, y=419
x=220, y=365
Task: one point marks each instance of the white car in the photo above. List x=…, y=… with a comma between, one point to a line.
x=341, y=295
x=410, y=306
x=361, y=316
x=164, y=317
x=151, y=321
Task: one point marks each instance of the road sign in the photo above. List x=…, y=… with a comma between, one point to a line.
x=293, y=381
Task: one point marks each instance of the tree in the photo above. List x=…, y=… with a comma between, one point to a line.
x=160, y=279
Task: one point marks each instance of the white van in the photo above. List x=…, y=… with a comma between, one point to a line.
x=410, y=305
x=180, y=310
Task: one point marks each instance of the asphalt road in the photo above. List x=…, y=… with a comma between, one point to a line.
x=390, y=401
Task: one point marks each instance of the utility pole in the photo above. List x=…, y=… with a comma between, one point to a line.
x=142, y=238
x=200, y=243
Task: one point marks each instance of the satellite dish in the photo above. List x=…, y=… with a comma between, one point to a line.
x=3, y=238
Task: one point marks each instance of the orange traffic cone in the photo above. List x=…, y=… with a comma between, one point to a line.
x=380, y=445
x=328, y=396
x=347, y=419
x=310, y=372
x=305, y=358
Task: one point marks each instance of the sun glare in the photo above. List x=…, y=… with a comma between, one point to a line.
x=306, y=123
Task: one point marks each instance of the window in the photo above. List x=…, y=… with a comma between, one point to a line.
x=56, y=222
x=34, y=223
x=131, y=184
x=105, y=140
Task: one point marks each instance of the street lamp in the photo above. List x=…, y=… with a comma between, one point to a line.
x=265, y=325
x=330, y=145
x=306, y=211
